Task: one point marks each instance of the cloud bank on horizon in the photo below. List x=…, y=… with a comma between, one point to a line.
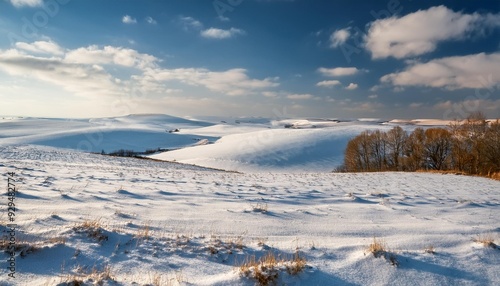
x=63, y=58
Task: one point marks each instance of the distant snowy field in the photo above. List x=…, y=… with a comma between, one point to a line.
x=148, y=220
x=238, y=144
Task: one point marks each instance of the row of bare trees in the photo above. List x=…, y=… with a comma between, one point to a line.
x=471, y=146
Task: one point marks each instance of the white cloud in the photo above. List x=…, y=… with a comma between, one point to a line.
x=373, y=96
x=189, y=23
x=111, y=55
x=233, y=82
x=110, y=76
x=85, y=71
x=270, y=94
x=472, y=71
x=173, y=90
x=78, y=79
x=41, y=47
x=352, y=86
x=129, y=20
x=415, y=105
x=328, y=83
x=296, y=96
x=457, y=109
x=342, y=71
x=419, y=32
x=29, y=3
x=215, y=33
x=339, y=37
x=151, y=21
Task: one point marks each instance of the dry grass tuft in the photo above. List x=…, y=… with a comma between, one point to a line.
x=260, y=207
x=95, y=276
x=430, y=249
x=57, y=240
x=93, y=228
x=143, y=233
x=227, y=245
x=166, y=280
x=296, y=265
x=265, y=271
x=377, y=247
x=22, y=247
x=101, y=275
x=487, y=240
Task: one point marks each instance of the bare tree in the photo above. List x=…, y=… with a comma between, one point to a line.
x=378, y=148
x=492, y=148
x=414, y=150
x=437, y=148
x=468, y=146
x=396, y=139
x=357, y=155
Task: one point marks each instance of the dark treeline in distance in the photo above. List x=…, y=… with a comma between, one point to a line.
x=471, y=146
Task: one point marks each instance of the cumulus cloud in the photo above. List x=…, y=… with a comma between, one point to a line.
x=78, y=79
x=40, y=47
x=419, y=32
x=471, y=71
x=129, y=20
x=352, y=86
x=456, y=109
x=29, y=3
x=328, y=83
x=296, y=96
x=215, y=33
x=111, y=55
x=97, y=71
x=339, y=37
x=341, y=71
x=270, y=94
x=81, y=71
x=150, y=20
x=233, y=82
x=189, y=23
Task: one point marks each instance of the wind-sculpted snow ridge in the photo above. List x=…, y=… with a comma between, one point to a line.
x=92, y=219
x=275, y=150
x=134, y=132
x=40, y=155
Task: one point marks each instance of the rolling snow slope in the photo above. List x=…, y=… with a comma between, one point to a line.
x=180, y=224
x=242, y=144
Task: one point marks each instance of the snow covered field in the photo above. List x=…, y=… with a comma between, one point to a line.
x=239, y=144
x=84, y=216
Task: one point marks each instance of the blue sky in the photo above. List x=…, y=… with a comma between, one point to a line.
x=275, y=58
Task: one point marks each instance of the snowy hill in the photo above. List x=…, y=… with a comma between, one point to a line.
x=239, y=144
x=127, y=221
x=133, y=132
